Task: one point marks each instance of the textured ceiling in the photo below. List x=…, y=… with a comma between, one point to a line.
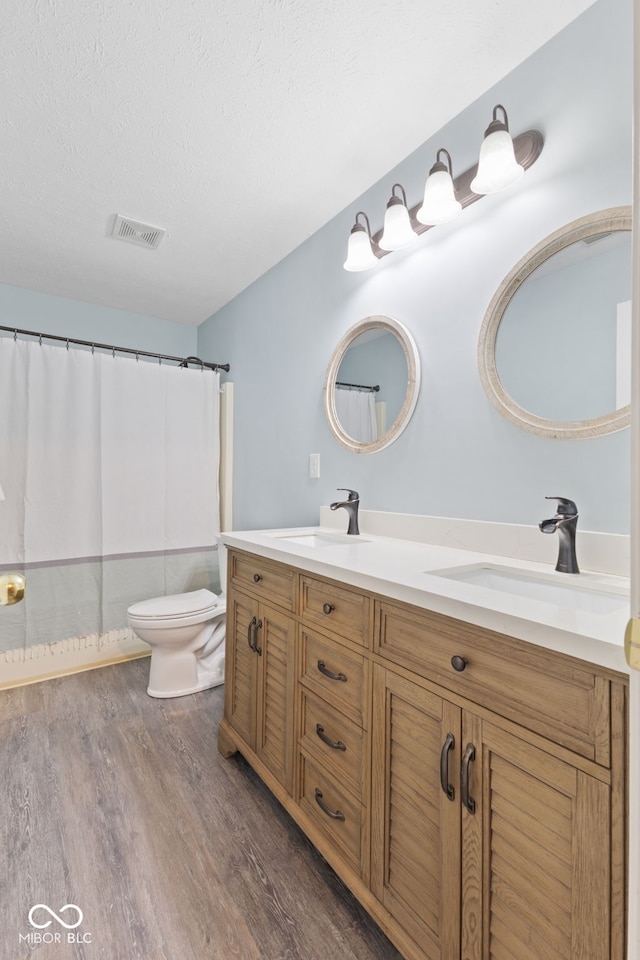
x=239, y=126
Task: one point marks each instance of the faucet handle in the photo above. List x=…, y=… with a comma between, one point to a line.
x=566, y=508
x=353, y=494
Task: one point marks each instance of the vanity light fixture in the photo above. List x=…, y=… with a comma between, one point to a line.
x=397, y=232
x=439, y=204
x=360, y=255
x=497, y=166
x=502, y=161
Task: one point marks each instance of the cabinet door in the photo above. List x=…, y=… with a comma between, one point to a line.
x=241, y=666
x=415, y=828
x=275, y=700
x=536, y=854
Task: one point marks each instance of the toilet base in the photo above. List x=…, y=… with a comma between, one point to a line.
x=177, y=673
x=204, y=685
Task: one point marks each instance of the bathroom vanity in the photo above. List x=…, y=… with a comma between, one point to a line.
x=458, y=756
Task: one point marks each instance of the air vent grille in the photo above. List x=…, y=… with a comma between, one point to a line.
x=142, y=234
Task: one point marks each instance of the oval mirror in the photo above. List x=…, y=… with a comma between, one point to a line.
x=372, y=384
x=554, y=353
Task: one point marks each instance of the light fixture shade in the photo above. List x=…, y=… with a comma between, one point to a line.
x=497, y=166
x=360, y=256
x=439, y=204
x=397, y=231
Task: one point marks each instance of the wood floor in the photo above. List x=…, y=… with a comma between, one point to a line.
x=122, y=805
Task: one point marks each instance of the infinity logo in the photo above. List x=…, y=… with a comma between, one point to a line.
x=67, y=906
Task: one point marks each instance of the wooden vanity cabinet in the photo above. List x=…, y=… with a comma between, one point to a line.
x=468, y=787
x=533, y=830
x=512, y=862
x=260, y=677
x=415, y=829
x=334, y=702
x=536, y=853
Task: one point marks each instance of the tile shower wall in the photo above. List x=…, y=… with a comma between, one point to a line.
x=459, y=457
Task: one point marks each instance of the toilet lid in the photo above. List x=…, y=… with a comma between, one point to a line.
x=175, y=605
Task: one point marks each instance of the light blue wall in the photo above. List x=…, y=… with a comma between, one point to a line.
x=458, y=457
x=30, y=310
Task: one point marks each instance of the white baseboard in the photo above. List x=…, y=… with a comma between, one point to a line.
x=48, y=660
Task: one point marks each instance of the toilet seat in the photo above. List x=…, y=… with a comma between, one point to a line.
x=178, y=609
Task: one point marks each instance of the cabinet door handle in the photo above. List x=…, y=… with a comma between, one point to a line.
x=328, y=607
x=447, y=787
x=459, y=663
x=334, y=814
x=257, y=578
x=332, y=676
x=250, y=633
x=468, y=755
x=257, y=626
x=335, y=744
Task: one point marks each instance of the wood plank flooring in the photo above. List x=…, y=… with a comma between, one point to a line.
x=121, y=804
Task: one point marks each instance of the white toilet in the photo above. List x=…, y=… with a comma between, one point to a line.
x=186, y=634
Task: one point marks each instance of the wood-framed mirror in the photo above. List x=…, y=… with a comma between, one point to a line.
x=372, y=384
x=554, y=353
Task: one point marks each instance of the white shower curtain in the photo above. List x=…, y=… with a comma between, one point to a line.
x=110, y=473
x=356, y=411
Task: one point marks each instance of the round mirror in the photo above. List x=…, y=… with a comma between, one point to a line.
x=555, y=347
x=372, y=384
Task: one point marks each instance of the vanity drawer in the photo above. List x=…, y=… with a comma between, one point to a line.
x=336, y=609
x=333, y=673
x=337, y=814
x=551, y=694
x=273, y=581
x=338, y=741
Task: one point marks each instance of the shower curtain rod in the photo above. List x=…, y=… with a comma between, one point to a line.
x=182, y=361
x=358, y=386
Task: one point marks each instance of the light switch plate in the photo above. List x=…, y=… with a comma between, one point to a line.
x=314, y=466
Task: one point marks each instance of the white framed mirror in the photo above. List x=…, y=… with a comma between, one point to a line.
x=554, y=352
x=372, y=384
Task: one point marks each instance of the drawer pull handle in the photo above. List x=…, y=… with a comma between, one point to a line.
x=257, y=577
x=332, y=676
x=467, y=757
x=335, y=815
x=447, y=787
x=251, y=634
x=328, y=607
x=257, y=626
x=459, y=663
x=335, y=744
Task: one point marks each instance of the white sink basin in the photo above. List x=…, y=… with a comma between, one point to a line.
x=571, y=591
x=321, y=539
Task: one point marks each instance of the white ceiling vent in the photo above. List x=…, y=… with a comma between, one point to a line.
x=133, y=231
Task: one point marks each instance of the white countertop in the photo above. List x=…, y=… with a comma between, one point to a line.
x=404, y=570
